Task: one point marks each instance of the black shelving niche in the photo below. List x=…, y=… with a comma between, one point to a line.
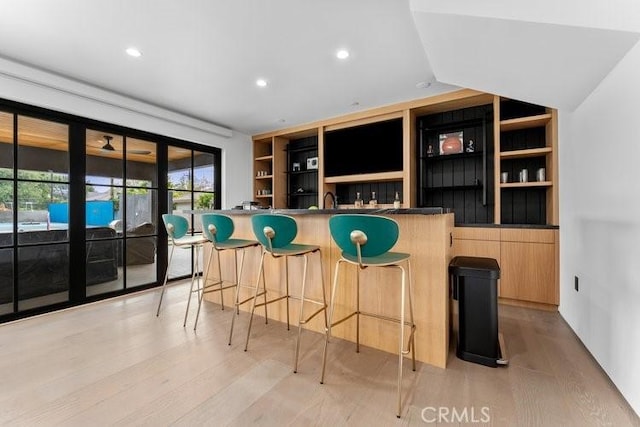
x=464, y=181
x=522, y=205
x=512, y=109
x=302, y=183
x=385, y=192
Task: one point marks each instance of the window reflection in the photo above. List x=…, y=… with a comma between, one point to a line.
x=43, y=275
x=6, y=147
x=43, y=150
x=141, y=163
x=6, y=284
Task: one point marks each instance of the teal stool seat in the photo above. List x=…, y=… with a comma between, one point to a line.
x=177, y=228
x=276, y=234
x=366, y=241
x=218, y=229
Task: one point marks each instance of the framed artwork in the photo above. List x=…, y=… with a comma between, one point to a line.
x=451, y=143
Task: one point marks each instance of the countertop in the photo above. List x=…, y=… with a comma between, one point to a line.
x=371, y=211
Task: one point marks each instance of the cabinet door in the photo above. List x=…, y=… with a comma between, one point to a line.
x=528, y=272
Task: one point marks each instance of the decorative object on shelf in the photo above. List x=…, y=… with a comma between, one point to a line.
x=396, y=201
x=374, y=201
x=524, y=175
x=359, y=203
x=451, y=143
x=430, y=152
x=300, y=190
x=295, y=167
x=504, y=177
x=312, y=163
x=541, y=175
x=471, y=146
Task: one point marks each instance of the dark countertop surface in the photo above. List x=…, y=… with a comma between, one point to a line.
x=532, y=226
x=372, y=211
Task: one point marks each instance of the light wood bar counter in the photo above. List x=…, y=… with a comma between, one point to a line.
x=425, y=233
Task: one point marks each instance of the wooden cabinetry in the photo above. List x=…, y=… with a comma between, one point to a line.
x=527, y=140
x=268, y=171
x=527, y=257
x=508, y=136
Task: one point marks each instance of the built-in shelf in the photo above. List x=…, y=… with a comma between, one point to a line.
x=526, y=184
x=306, y=193
x=365, y=177
x=452, y=156
x=265, y=158
x=525, y=122
x=454, y=187
x=264, y=177
x=264, y=196
x=520, y=154
x=304, y=172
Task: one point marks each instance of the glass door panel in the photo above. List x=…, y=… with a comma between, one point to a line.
x=42, y=210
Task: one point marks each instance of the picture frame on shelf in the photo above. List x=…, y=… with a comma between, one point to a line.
x=312, y=163
x=451, y=143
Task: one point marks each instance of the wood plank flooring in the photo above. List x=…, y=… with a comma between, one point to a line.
x=115, y=363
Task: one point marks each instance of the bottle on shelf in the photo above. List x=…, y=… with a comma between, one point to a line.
x=396, y=201
x=359, y=203
x=374, y=201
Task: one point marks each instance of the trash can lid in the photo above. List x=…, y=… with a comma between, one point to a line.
x=486, y=268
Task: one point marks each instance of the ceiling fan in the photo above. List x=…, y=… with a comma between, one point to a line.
x=109, y=147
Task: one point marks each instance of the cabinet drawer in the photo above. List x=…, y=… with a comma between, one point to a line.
x=480, y=233
x=527, y=235
x=528, y=272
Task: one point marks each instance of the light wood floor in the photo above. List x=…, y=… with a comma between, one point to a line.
x=115, y=363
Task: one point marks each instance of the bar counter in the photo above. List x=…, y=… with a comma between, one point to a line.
x=425, y=233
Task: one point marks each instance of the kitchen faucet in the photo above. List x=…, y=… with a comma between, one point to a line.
x=334, y=203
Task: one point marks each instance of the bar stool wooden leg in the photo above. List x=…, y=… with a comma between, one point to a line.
x=401, y=343
x=286, y=275
x=301, y=314
x=412, y=342
x=166, y=277
x=255, y=297
x=193, y=278
x=205, y=274
x=330, y=322
x=357, y=309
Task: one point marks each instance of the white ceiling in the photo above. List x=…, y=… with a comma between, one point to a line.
x=201, y=58
x=549, y=53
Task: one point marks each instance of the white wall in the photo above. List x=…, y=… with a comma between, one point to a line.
x=600, y=223
x=36, y=87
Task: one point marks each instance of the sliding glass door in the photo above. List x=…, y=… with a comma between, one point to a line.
x=81, y=204
x=192, y=183
x=34, y=195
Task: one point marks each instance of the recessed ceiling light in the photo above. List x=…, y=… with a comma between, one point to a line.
x=342, y=54
x=132, y=51
x=261, y=82
x=423, y=85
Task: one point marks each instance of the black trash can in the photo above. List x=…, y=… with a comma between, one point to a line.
x=475, y=286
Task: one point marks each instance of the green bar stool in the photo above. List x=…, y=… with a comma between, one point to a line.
x=365, y=241
x=275, y=233
x=218, y=230
x=177, y=228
